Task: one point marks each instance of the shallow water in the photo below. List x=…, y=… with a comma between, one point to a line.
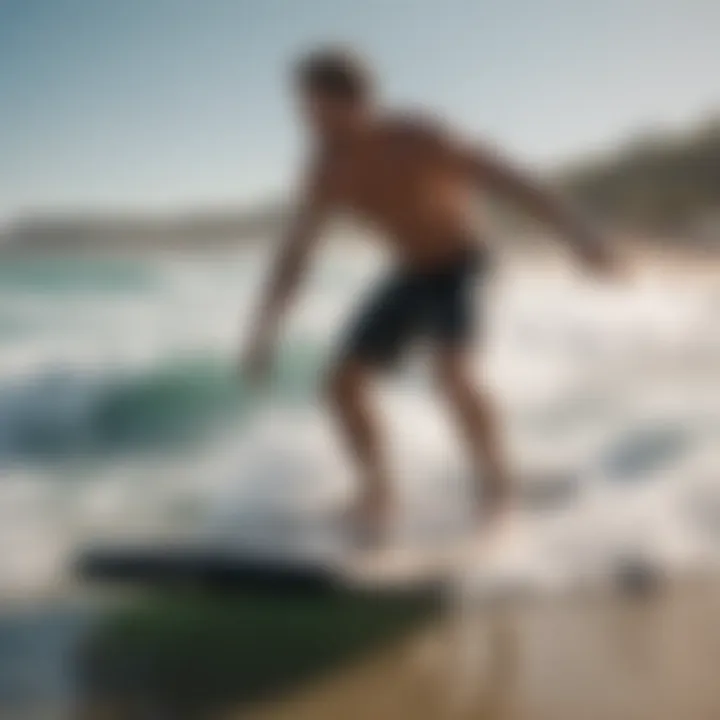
x=595, y=658
x=120, y=412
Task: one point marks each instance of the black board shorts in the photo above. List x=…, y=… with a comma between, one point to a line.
x=437, y=306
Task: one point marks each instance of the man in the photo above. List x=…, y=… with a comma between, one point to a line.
x=414, y=182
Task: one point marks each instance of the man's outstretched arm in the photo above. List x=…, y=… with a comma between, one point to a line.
x=501, y=177
x=287, y=272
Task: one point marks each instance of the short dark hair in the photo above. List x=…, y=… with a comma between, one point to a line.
x=335, y=72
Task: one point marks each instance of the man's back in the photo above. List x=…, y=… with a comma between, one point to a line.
x=401, y=176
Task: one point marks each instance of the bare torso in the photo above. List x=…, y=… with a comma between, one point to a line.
x=397, y=178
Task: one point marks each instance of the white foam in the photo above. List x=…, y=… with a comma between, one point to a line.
x=578, y=369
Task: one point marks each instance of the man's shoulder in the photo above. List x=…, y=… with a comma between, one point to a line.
x=416, y=125
x=318, y=164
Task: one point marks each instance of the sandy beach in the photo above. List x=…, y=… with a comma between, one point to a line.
x=595, y=658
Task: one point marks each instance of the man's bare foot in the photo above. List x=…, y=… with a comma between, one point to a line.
x=370, y=519
x=495, y=514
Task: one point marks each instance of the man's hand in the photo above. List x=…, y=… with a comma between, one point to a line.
x=599, y=258
x=498, y=175
x=289, y=266
x=256, y=361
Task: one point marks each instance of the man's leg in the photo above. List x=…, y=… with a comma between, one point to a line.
x=479, y=425
x=373, y=342
x=349, y=395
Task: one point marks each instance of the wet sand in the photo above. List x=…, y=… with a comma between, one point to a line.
x=610, y=657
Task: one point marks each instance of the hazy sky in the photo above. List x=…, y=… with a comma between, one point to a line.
x=165, y=102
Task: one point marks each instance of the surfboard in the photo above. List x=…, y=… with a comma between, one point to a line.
x=312, y=550
x=414, y=564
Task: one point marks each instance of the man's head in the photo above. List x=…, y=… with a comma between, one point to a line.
x=335, y=90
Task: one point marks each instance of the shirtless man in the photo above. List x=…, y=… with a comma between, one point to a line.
x=414, y=182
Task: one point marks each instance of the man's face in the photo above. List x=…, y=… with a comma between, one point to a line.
x=328, y=115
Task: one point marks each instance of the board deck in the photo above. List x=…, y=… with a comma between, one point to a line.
x=197, y=565
x=305, y=553
x=396, y=568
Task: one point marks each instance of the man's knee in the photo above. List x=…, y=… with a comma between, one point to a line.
x=468, y=398
x=452, y=376
x=458, y=383
x=343, y=384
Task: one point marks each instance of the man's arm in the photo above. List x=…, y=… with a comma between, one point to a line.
x=491, y=172
x=497, y=175
x=287, y=272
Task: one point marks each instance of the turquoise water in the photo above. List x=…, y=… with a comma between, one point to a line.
x=72, y=275
x=100, y=402
x=177, y=402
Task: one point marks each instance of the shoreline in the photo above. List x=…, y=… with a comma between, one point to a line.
x=609, y=656
x=595, y=653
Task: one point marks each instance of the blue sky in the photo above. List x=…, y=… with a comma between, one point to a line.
x=164, y=103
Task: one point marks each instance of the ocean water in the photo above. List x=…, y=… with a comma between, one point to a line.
x=122, y=413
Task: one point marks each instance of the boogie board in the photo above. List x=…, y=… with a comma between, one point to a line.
x=313, y=554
